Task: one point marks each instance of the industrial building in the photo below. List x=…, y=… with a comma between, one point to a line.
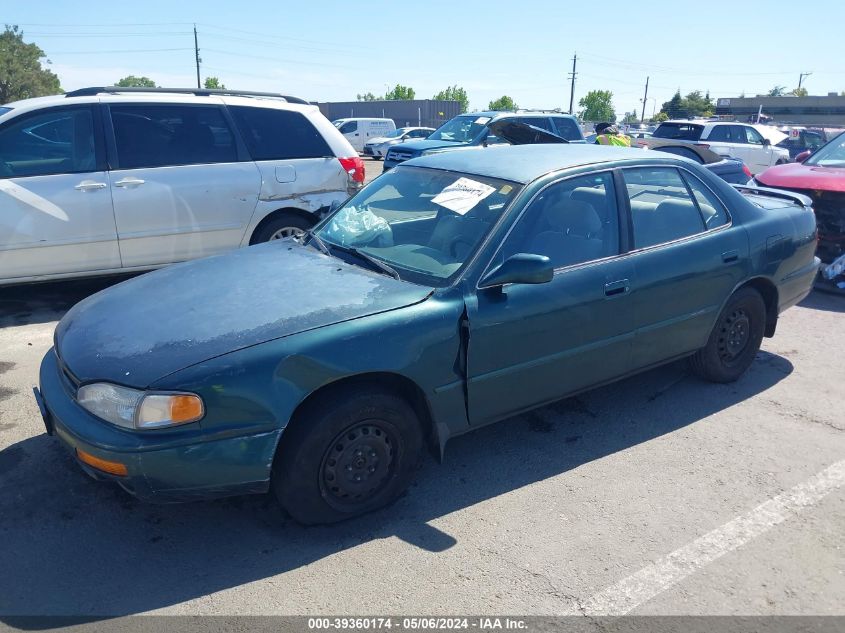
x=414, y=112
x=828, y=111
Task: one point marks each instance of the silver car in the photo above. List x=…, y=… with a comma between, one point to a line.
x=104, y=180
x=377, y=147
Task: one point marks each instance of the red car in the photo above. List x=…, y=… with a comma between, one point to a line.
x=821, y=176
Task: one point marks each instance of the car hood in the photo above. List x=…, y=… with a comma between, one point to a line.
x=801, y=176
x=143, y=329
x=378, y=140
x=421, y=146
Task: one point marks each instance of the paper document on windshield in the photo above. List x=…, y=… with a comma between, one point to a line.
x=462, y=195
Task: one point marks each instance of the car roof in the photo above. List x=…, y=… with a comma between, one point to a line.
x=524, y=163
x=493, y=114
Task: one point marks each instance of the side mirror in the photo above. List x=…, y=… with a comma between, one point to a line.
x=800, y=158
x=766, y=142
x=522, y=268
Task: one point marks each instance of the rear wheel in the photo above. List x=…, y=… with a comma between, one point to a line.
x=349, y=453
x=735, y=338
x=281, y=226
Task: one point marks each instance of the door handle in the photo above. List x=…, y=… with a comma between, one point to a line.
x=90, y=185
x=615, y=288
x=730, y=257
x=129, y=182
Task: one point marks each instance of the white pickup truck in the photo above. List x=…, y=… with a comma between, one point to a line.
x=753, y=144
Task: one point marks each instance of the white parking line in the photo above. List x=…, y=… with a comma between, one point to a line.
x=629, y=593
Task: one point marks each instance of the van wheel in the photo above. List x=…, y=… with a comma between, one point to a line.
x=281, y=226
x=347, y=454
x=735, y=339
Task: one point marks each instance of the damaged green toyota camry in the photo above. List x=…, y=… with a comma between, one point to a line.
x=455, y=291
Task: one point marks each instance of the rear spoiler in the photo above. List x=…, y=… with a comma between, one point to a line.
x=801, y=199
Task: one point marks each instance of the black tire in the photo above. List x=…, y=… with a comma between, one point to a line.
x=279, y=223
x=735, y=339
x=349, y=453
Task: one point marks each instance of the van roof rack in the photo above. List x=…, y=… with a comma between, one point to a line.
x=555, y=110
x=200, y=92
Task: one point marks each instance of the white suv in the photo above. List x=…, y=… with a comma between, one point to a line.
x=104, y=180
x=727, y=138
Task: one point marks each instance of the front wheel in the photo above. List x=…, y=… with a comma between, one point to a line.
x=349, y=453
x=735, y=338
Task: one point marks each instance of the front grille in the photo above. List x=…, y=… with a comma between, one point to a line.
x=830, y=220
x=399, y=155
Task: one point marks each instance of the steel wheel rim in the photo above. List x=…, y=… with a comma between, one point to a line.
x=358, y=464
x=287, y=231
x=734, y=336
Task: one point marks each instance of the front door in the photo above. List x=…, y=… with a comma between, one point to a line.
x=55, y=205
x=687, y=259
x=532, y=344
x=179, y=190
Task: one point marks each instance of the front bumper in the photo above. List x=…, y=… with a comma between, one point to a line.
x=161, y=466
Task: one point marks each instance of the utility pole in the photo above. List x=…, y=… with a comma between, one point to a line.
x=572, y=86
x=197, y=55
x=801, y=78
x=645, y=100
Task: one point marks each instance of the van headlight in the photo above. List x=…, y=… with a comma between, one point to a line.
x=139, y=410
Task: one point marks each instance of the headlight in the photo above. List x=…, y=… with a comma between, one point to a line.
x=133, y=409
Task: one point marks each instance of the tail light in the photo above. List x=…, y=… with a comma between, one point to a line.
x=354, y=167
x=747, y=171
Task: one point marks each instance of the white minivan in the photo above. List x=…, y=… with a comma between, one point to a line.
x=359, y=131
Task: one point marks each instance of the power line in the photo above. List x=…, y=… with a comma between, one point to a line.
x=137, y=50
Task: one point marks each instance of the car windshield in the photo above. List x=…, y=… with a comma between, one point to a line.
x=461, y=129
x=423, y=223
x=831, y=155
x=679, y=131
x=4, y=110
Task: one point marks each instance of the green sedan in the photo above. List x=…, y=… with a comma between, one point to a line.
x=455, y=291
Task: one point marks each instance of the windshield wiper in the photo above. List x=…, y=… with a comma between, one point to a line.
x=369, y=258
x=312, y=237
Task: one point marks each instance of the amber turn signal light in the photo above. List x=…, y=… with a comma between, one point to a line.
x=112, y=468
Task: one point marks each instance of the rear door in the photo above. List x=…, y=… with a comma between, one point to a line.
x=687, y=259
x=727, y=140
x=55, y=205
x=179, y=188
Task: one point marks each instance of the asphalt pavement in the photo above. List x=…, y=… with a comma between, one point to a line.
x=660, y=494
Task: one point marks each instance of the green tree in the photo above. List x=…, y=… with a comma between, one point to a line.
x=631, y=117
x=212, y=83
x=367, y=96
x=696, y=105
x=660, y=117
x=799, y=92
x=21, y=74
x=132, y=81
x=504, y=103
x=777, y=91
x=454, y=93
x=400, y=93
x=674, y=108
x=598, y=106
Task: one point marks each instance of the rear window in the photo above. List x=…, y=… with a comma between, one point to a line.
x=272, y=134
x=567, y=128
x=679, y=131
x=4, y=110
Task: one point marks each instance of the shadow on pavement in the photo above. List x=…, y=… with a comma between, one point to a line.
x=44, y=302
x=73, y=546
x=821, y=300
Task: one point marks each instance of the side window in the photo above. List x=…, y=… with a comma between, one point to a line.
x=661, y=208
x=420, y=133
x=272, y=134
x=712, y=210
x=349, y=127
x=537, y=121
x=753, y=136
x=722, y=133
x=566, y=128
x=571, y=222
x=58, y=141
x=164, y=135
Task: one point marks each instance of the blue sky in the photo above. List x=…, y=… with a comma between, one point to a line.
x=331, y=50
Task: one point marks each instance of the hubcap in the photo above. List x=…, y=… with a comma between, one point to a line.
x=358, y=464
x=735, y=334
x=288, y=231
